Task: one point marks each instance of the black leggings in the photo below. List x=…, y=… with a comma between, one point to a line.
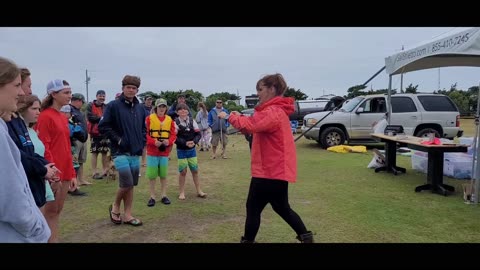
x=275, y=192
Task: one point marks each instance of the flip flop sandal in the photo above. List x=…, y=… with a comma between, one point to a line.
x=133, y=222
x=111, y=213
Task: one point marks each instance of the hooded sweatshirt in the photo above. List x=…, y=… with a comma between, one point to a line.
x=33, y=163
x=274, y=154
x=20, y=219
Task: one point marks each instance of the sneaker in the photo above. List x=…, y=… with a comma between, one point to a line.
x=165, y=200
x=97, y=176
x=77, y=192
x=151, y=202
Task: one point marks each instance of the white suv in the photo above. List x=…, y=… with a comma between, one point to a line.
x=419, y=114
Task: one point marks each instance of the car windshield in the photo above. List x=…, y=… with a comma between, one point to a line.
x=351, y=104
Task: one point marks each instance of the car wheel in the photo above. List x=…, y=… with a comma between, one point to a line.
x=424, y=132
x=332, y=136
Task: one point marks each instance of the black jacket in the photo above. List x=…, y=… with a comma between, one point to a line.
x=33, y=163
x=186, y=134
x=79, y=118
x=124, y=120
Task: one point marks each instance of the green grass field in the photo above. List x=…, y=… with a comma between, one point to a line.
x=336, y=195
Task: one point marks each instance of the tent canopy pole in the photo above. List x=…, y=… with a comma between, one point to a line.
x=389, y=99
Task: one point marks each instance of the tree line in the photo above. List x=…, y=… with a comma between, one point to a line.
x=193, y=97
x=466, y=100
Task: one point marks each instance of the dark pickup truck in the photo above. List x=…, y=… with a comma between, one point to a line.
x=304, y=107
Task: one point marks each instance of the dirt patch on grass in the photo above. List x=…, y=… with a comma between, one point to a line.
x=179, y=228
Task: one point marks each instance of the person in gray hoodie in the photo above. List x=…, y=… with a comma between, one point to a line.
x=20, y=219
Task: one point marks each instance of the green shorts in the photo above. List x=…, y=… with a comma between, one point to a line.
x=187, y=158
x=157, y=166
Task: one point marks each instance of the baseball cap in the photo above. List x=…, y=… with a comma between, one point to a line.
x=66, y=109
x=160, y=101
x=78, y=96
x=56, y=86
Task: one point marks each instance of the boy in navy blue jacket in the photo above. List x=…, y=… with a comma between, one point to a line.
x=123, y=122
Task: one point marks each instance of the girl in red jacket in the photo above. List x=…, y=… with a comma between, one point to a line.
x=274, y=157
x=161, y=135
x=52, y=129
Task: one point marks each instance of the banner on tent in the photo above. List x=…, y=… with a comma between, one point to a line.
x=462, y=43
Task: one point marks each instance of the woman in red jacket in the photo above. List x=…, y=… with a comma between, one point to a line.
x=274, y=158
x=52, y=129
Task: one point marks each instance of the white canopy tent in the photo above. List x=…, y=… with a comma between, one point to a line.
x=459, y=49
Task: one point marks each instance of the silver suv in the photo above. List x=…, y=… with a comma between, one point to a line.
x=419, y=114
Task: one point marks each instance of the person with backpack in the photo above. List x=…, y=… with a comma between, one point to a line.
x=77, y=133
x=79, y=118
x=188, y=135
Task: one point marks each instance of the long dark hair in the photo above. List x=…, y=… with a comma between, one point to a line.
x=204, y=108
x=48, y=100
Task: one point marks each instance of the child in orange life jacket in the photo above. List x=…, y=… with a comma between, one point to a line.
x=161, y=135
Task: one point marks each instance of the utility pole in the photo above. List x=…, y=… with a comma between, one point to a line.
x=438, y=79
x=87, y=80
x=401, y=79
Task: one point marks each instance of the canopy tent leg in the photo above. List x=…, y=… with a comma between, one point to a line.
x=389, y=99
x=476, y=153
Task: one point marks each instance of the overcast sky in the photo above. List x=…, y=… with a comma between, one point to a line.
x=317, y=60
